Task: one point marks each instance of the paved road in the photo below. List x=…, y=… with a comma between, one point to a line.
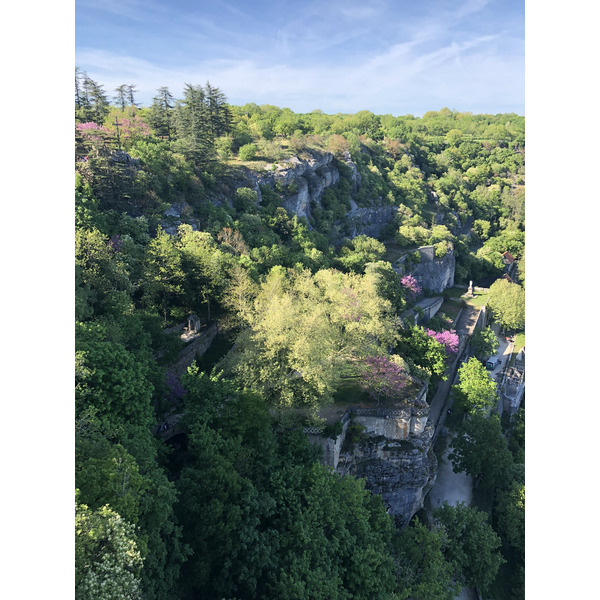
x=449, y=486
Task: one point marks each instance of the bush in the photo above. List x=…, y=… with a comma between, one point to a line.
x=247, y=152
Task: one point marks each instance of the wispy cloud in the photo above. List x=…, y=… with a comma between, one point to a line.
x=337, y=56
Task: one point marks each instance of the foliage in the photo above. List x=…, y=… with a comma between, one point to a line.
x=107, y=559
x=448, y=338
x=480, y=451
x=381, y=377
x=306, y=331
x=484, y=343
x=476, y=391
x=424, y=572
x=247, y=152
x=422, y=350
x=507, y=302
x=472, y=546
x=411, y=285
x=265, y=520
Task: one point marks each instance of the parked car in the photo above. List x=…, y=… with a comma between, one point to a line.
x=492, y=363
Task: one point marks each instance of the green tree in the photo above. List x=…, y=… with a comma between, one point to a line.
x=472, y=546
x=484, y=343
x=480, y=451
x=163, y=274
x=204, y=265
x=160, y=114
x=306, y=331
x=507, y=302
x=103, y=279
x=247, y=152
x=476, y=391
x=424, y=572
x=107, y=559
x=364, y=250
x=192, y=121
x=423, y=351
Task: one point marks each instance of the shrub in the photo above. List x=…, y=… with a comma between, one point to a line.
x=247, y=152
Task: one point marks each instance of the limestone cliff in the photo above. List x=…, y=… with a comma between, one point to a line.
x=393, y=451
x=307, y=178
x=401, y=471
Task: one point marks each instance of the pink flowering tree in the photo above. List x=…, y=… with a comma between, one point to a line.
x=130, y=129
x=449, y=339
x=92, y=138
x=411, y=285
x=381, y=378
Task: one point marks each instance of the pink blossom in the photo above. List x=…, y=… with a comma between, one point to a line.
x=382, y=377
x=448, y=338
x=411, y=284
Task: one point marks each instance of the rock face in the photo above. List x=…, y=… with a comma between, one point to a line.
x=309, y=179
x=394, y=453
x=370, y=221
x=433, y=274
x=401, y=471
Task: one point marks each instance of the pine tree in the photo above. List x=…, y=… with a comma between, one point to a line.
x=121, y=97
x=160, y=116
x=192, y=123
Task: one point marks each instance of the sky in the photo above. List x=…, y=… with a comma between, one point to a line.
x=387, y=56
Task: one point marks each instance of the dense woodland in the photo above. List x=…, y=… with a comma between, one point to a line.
x=243, y=508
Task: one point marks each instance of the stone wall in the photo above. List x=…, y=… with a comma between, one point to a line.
x=435, y=275
x=197, y=346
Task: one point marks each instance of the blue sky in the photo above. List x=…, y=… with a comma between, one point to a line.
x=387, y=56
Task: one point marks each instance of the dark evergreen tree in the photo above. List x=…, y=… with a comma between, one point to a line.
x=160, y=115
x=218, y=111
x=121, y=97
x=95, y=103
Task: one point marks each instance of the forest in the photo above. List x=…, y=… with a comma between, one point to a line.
x=175, y=216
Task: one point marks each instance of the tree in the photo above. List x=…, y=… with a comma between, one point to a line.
x=204, y=265
x=121, y=97
x=424, y=572
x=449, y=339
x=476, y=390
x=507, y=302
x=94, y=102
x=160, y=114
x=381, y=378
x=247, y=152
x=365, y=250
x=107, y=558
x=422, y=350
x=389, y=284
x=163, y=274
x=472, y=546
x=219, y=116
x=102, y=274
x=484, y=343
x=265, y=519
x=480, y=451
x=194, y=136
x=306, y=331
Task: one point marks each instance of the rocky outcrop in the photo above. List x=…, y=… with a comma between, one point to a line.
x=307, y=178
x=401, y=471
x=369, y=221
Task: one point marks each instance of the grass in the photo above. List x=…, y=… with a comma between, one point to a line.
x=519, y=342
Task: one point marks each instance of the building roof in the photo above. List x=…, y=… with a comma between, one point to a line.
x=508, y=258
